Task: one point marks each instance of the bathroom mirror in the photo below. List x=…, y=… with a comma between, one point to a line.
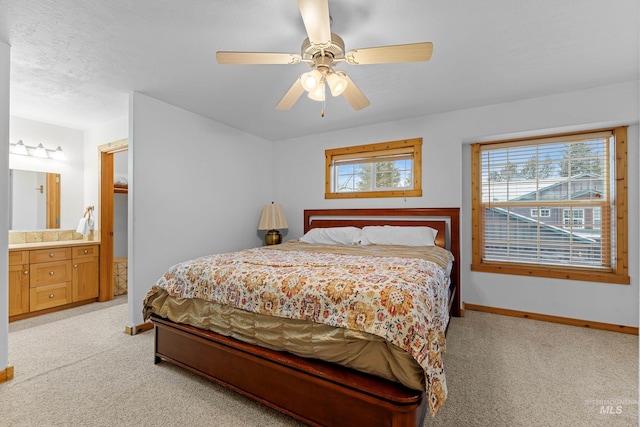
x=34, y=200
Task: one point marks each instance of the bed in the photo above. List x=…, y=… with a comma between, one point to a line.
x=363, y=373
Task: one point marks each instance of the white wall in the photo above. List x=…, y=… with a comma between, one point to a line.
x=196, y=187
x=121, y=165
x=4, y=205
x=71, y=170
x=300, y=185
x=446, y=183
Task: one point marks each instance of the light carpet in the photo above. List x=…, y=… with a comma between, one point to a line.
x=79, y=368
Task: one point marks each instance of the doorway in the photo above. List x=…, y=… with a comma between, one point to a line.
x=107, y=190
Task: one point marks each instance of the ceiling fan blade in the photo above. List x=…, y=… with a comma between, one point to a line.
x=256, y=58
x=354, y=95
x=292, y=96
x=315, y=15
x=386, y=54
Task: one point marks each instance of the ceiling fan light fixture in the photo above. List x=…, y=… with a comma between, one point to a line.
x=337, y=83
x=318, y=93
x=311, y=80
x=322, y=50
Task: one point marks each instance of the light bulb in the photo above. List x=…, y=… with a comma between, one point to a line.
x=20, y=148
x=311, y=80
x=318, y=94
x=40, y=152
x=59, y=154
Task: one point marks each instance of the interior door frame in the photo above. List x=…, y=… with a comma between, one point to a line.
x=105, y=217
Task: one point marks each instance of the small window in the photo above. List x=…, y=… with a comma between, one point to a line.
x=386, y=169
x=573, y=218
x=544, y=213
x=597, y=216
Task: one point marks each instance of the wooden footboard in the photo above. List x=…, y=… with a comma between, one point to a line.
x=315, y=392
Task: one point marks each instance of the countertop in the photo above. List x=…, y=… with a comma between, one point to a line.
x=46, y=245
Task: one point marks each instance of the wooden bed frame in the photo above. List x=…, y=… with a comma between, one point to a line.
x=315, y=392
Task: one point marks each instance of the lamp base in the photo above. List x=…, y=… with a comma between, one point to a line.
x=273, y=237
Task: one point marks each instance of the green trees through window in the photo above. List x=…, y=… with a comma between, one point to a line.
x=387, y=169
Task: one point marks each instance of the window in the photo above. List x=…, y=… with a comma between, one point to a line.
x=573, y=218
x=545, y=213
x=597, y=216
x=386, y=169
x=552, y=206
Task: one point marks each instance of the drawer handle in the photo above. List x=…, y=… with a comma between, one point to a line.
x=75, y=265
x=51, y=254
x=51, y=273
x=86, y=251
x=26, y=272
x=51, y=295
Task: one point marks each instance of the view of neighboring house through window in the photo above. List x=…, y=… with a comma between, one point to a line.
x=551, y=206
x=387, y=169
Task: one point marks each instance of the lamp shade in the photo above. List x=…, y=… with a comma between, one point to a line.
x=40, y=152
x=337, y=83
x=311, y=80
x=20, y=148
x=318, y=93
x=59, y=154
x=272, y=217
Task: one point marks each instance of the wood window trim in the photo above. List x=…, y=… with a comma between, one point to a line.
x=620, y=274
x=415, y=144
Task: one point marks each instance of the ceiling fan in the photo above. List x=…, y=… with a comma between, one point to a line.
x=322, y=51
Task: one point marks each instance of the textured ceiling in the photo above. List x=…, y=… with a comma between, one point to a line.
x=74, y=62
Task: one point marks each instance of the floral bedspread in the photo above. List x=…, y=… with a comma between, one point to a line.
x=392, y=297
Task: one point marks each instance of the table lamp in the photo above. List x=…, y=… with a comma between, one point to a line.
x=272, y=219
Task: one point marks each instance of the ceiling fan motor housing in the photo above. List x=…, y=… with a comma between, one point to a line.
x=314, y=53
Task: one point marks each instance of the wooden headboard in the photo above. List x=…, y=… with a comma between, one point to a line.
x=445, y=220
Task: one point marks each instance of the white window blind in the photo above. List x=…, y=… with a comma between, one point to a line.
x=549, y=201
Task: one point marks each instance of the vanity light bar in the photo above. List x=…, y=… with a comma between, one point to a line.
x=39, y=151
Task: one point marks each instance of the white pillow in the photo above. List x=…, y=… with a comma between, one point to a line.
x=333, y=236
x=397, y=235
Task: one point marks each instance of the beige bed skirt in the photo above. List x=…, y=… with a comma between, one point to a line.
x=354, y=349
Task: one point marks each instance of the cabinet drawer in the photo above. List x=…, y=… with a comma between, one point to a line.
x=18, y=257
x=85, y=251
x=48, y=273
x=50, y=296
x=46, y=255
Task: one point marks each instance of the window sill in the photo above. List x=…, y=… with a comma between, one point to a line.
x=552, y=272
x=373, y=194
